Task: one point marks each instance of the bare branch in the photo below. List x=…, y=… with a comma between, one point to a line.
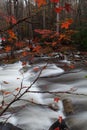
x=17, y=97
x=13, y=25
x=59, y=92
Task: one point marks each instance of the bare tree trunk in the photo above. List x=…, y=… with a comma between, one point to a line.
x=28, y=9
x=44, y=18
x=57, y=19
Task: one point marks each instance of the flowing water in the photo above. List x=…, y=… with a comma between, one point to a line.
x=76, y=83
x=39, y=116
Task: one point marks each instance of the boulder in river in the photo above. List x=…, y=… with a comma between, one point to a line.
x=8, y=126
x=68, y=107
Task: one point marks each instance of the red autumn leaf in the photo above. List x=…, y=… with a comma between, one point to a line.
x=57, y=128
x=58, y=9
x=54, y=43
x=56, y=99
x=42, y=31
x=67, y=23
x=13, y=20
x=6, y=92
x=19, y=44
x=3, y=38
x=17, y=89
x=24, y=53
x=36, y=69
x=61, y=37
x=72, y=66
x=11, y=34
x=10, y=19
x=37, y=48
x=5, y=82
x=35, y=40
x=40, y=2
x=24, y=63
x=55, y=1
x=67, y=7
x=7, y=48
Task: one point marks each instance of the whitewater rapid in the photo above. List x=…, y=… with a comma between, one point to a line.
x=37, y=116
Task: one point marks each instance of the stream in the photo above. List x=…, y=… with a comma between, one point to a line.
x=39, y=116
x=77, y=84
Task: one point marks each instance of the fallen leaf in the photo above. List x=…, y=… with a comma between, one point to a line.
x=17, y=89
x=6, y=92
x=5, y=82
x=56, y=99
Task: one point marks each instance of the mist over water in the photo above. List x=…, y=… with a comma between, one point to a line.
x=40, y=117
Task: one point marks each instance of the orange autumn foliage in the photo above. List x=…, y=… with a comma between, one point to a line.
x=40, y=2
x=11, y=34
x=57, y=128
x=17, y=89
x=56, y=99
x=19, y=44
x=10, y=19
x=7, y=48
x=37, y=48
x=24, y=53
x=58, y=9
x=54, y=43
x=24, y=63
x=67, y=7
x=72, y=66
x=61, y=37
x=66, y=24
x=55, y=1
x=5, y=82
x=36, y=69
x=6, y=92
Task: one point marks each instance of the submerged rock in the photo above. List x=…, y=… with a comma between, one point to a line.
x=60, y=124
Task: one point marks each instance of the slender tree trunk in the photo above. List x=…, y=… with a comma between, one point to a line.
x=57, y=19
x=44, y=18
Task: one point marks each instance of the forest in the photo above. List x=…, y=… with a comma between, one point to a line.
x=43, y=64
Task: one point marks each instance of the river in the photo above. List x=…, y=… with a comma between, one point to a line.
x=39, y=116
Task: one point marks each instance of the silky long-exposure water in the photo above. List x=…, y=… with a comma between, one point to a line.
x=39, y=116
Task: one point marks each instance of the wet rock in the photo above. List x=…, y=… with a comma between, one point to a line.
x=68, y=107
x=57, y=125
x=54, y=106
x=8, y=126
